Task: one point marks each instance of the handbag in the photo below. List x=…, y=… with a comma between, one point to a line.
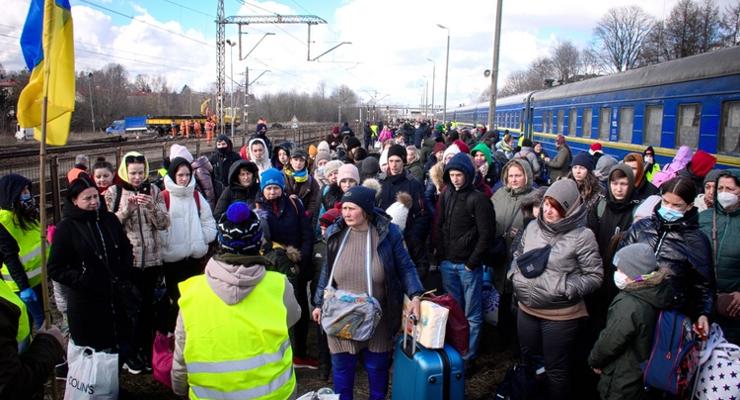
x=162, y=353
x=718, y=377
x=348, y=315
x=92, y=375
x=534, y=262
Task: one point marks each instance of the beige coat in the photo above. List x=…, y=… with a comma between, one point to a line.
x=141, y=225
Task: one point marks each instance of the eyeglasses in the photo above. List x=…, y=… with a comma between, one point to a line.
x=135, y=160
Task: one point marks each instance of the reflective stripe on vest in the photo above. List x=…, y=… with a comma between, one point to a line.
x=237, y=351
x=29, y=243
x=23, y=335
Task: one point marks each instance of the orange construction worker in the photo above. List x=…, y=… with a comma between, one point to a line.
x=173, y=130
x=197, y=129
x=209, y=131
x=183, y=128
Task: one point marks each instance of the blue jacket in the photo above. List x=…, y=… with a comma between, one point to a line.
x=400, y=272
x=289, y=225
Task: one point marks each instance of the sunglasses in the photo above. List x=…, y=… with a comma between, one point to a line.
x=135, y=160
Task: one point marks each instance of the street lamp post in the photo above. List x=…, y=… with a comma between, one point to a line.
x=231, y=101
x=434, y=68
x=90, y=93
x=447, y=68
x=494, y=71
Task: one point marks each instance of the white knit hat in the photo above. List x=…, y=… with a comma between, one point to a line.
x=177, y=150
x=451, y=150
x=399, y=211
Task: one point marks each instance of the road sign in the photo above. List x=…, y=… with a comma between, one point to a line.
x=294, y=122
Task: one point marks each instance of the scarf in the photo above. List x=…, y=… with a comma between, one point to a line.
x=301, y=176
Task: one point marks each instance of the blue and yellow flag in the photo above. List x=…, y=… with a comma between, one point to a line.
x=47, y=43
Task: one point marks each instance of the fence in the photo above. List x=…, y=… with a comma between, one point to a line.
x=59, y=161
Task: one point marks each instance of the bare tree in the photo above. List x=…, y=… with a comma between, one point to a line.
x=655, y=48
x=731, y=25
x=565, y=60
x=620, y=35
x=710, y=25
x=683, y=29
x=532, y=79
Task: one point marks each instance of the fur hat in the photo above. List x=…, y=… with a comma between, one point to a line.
x=399, y=211
x=373, y=184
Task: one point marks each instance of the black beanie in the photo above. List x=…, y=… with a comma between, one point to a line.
x=82, y=182
x=363, y=196
x=584, y=160
x=397, y=150
x=175, y=165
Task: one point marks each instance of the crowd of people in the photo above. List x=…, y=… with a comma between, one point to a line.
x=240, y=255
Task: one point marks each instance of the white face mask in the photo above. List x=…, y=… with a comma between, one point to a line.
x=648, y=159
x=620, y=279
x=726, y=199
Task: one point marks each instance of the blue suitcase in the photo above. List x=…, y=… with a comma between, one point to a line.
x=426, y=374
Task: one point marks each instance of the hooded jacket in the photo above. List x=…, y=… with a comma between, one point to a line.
x=141, y=224
x=288, y=224
x=400, y=273
x=75, y=261
x=11, y=187
x=203, y=173
x=235, y=191
x=191, y=228
x=264, y=164
x=489, y=172
x=221, y=161
x=560, y=164
x=626, y=342
x=465, y=216
x=232, y=278
x=611, y=216
x=574, y=268
x=507, y=201
x=685, y=250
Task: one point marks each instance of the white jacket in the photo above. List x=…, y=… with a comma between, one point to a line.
x=188, y=234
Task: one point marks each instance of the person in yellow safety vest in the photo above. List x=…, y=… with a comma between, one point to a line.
x=20, y=243
x=25, y=364
x=231, y=338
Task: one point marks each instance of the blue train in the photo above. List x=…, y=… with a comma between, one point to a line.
x=693, y=101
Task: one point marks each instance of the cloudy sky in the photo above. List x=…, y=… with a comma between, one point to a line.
x=387, y=60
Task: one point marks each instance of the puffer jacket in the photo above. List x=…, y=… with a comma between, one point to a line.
x=203, y=172
x=685, y=250
x=141, y=225
x=507, y=202
x=573, y=268
x=400, y=272
x=626, y=341
x=191, y=229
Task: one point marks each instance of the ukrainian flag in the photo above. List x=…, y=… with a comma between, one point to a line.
x=47, y=43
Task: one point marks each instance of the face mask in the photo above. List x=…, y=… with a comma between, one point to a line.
x=620, y=279
x=726, y=199
x=669, y=214
x=27, y=201
x=223, y=150
x=648, y=159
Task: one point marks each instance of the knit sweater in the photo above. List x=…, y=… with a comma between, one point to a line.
x=350, y=275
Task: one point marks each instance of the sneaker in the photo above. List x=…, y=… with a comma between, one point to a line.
x=60, y=371
x=134, y=366
x=305, y=362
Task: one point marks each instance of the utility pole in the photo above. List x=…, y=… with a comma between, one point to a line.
x=246, y=99
x=92, y=106
x=434, y=73
x=220, y=64
x=447, y=69
x=494, y=71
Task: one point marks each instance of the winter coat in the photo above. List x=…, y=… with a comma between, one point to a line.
x=489, y=171
x=726, y=253
x=646, y=190
x=427, y=147
x=416, y=170
x=236, y=192
x=141, y=224
x=560, y=165
x=22, y=376
x=308, y=192
x=288, y=224
x=221, y=162
x=76, y=261
x=232, y=278
x=465, y=217
x=417, y=224
x=262, y=165
x=696, y=179
x=685, y=250
x=627, y=340
x=203, y=173
x=400, y=272
x=507, y=202
x=191, y=228
x=527, y=153
x=573, y=268
x=330, y=195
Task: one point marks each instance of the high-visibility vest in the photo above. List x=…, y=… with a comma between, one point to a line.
x=29, y=243
x=239, y=351
x=23, y=335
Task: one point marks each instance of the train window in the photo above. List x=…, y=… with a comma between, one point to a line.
x=572, y=119
x=544, y=122
x=561, y=117
x=605, y=121
x=626, y=115
x=587, y=115
x=550, y=122
x=653, y=125
x=688, y=125
x=730, y=135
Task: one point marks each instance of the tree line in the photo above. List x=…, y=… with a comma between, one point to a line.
x=627, y=38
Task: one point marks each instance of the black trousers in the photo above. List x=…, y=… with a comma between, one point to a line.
x=145, y=281
x=555, y=342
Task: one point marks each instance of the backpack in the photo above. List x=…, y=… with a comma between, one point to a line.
x=166, y=197
x=674, y=358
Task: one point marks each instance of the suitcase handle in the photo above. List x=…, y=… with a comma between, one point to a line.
x=413, y=319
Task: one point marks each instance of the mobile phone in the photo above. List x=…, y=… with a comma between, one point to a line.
x=145, y=188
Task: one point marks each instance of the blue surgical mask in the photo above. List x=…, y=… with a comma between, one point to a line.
x=25, y=197
x=669, y=214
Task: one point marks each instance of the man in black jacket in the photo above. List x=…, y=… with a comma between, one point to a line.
x=418, y=222
x=222, y=159
x=466, y=221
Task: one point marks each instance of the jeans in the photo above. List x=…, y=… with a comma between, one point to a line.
x=376, y=364
x=466, y=287
x=556, y=342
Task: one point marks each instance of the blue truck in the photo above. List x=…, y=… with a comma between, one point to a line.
x=135, y=124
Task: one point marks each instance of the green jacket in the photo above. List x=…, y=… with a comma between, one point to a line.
x=726, y=253
x=627, y=339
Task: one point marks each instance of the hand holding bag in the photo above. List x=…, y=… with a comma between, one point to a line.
x=348, y=315
x=718, y=376
x=92, y=375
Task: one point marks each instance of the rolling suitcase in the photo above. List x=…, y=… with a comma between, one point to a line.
x=426, y=374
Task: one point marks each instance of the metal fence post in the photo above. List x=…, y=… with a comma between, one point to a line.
x=56, y=202
x=197, y=148
x=119, y=155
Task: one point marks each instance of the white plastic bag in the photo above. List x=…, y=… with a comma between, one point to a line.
x=432, y=325
x=92, y=375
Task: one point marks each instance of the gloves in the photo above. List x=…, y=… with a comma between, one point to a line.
x=28, y=295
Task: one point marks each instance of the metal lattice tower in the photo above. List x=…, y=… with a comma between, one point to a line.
x=221, y=63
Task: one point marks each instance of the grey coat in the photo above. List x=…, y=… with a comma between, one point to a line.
x=573, y=268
